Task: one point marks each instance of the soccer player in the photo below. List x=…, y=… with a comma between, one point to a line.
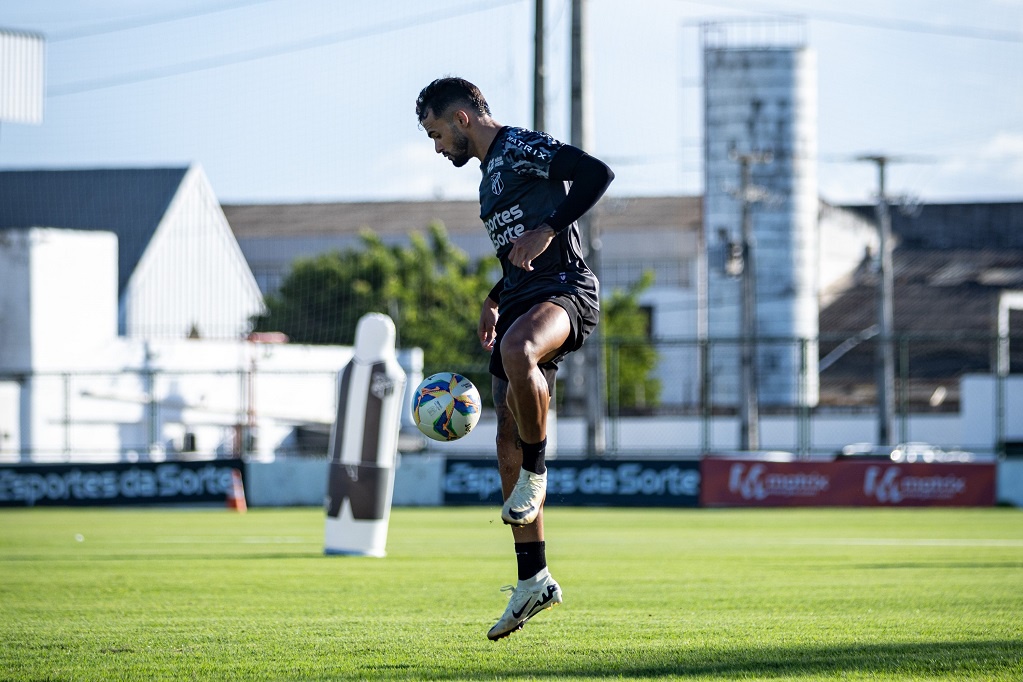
x=544, y=306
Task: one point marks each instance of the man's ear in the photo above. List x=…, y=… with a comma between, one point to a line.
x=461, y=118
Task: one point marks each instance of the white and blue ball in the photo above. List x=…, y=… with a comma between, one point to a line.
x=446, y=406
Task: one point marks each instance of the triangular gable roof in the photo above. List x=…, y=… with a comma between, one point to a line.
x=129, y=202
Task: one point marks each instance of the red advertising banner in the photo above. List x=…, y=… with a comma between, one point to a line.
x=844, y=483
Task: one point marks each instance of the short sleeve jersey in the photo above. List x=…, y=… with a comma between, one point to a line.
x=517, y=195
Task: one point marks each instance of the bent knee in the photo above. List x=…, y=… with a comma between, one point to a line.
x=518, y=355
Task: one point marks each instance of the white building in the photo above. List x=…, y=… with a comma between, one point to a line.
x=106, y=279
x=179, y=269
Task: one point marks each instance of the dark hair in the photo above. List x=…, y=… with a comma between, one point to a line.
x=441, y=94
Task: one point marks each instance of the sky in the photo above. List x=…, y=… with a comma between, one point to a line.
x=313, y=100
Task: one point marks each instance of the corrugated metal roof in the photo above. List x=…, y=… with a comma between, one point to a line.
x=128, y=202
x=250, y=221
x=935, y=290
x=977, y=225
x=944, y=303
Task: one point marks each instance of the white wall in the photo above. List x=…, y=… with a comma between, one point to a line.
x=58, y=296
x=980, y=409
x=73, y=296
x=58, y=308
x=159, y=391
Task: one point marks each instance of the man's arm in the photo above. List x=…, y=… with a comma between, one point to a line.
x=487, y=329
x=590, y=178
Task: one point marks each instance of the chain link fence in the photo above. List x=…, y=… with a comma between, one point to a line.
x=688, y=405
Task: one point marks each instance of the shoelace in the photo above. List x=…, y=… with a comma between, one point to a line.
x=534, y=485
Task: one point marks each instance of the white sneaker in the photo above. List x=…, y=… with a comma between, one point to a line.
x=523, y=505
x=529, y=598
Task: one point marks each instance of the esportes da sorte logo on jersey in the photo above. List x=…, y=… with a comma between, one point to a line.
x=502, y=226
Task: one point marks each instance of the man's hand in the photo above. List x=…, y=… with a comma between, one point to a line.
x=529, y=246
x=488, y=325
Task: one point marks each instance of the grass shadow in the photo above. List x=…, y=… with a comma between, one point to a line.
x=967, y=565
x=985, y=659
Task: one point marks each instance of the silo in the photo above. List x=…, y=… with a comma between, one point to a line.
x=760, y=104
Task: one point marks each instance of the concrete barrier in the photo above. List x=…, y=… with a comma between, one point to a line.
x=296, y=482
x=1009, y=484
x=292, y=482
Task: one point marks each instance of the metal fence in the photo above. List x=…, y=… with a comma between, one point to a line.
x=142, y=414
x=689, y=404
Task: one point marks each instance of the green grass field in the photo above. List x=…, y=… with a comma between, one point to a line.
x=209, y=594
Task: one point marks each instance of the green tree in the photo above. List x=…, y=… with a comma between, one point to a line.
x=429, y=288
x=433, y=293
x=630, y=355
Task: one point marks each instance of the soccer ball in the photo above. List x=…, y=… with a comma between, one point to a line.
x=446, y=406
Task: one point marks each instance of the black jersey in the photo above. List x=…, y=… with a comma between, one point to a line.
x=516, y=195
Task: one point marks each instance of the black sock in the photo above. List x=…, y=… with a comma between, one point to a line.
x=533, y=456
x=531, y=558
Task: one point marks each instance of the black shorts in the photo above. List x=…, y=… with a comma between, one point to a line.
x=582, y=317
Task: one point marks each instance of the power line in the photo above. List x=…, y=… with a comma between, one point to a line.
x=972, y=32
x=860, y=158
x=141, y=22
x=851, y=19
x=324, y=40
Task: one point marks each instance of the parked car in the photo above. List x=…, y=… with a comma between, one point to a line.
x=905, y=452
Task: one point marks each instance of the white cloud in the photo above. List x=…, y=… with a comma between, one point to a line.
x=990, y=168
x=1003, y=146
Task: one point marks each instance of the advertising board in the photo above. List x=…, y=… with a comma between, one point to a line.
x=36, y=485
x=749, y=483
x=650, y=483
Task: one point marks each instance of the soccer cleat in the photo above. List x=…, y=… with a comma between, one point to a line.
x=523, y=505
x=528, y=598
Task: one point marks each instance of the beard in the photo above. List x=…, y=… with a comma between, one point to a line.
x=459, y=154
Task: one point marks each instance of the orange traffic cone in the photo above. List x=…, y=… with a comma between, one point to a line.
x=236, y=493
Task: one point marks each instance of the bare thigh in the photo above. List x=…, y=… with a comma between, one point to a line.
x=535, y=337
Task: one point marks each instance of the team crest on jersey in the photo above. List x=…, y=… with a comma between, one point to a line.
x=496, y=183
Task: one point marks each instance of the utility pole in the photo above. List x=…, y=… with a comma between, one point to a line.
x=749, y=405
x=539, y=69
x=885, y=308
x=596, y=390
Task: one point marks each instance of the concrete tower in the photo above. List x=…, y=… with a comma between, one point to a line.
x=760, y=108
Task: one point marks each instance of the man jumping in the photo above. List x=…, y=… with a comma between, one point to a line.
x=544, y=306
